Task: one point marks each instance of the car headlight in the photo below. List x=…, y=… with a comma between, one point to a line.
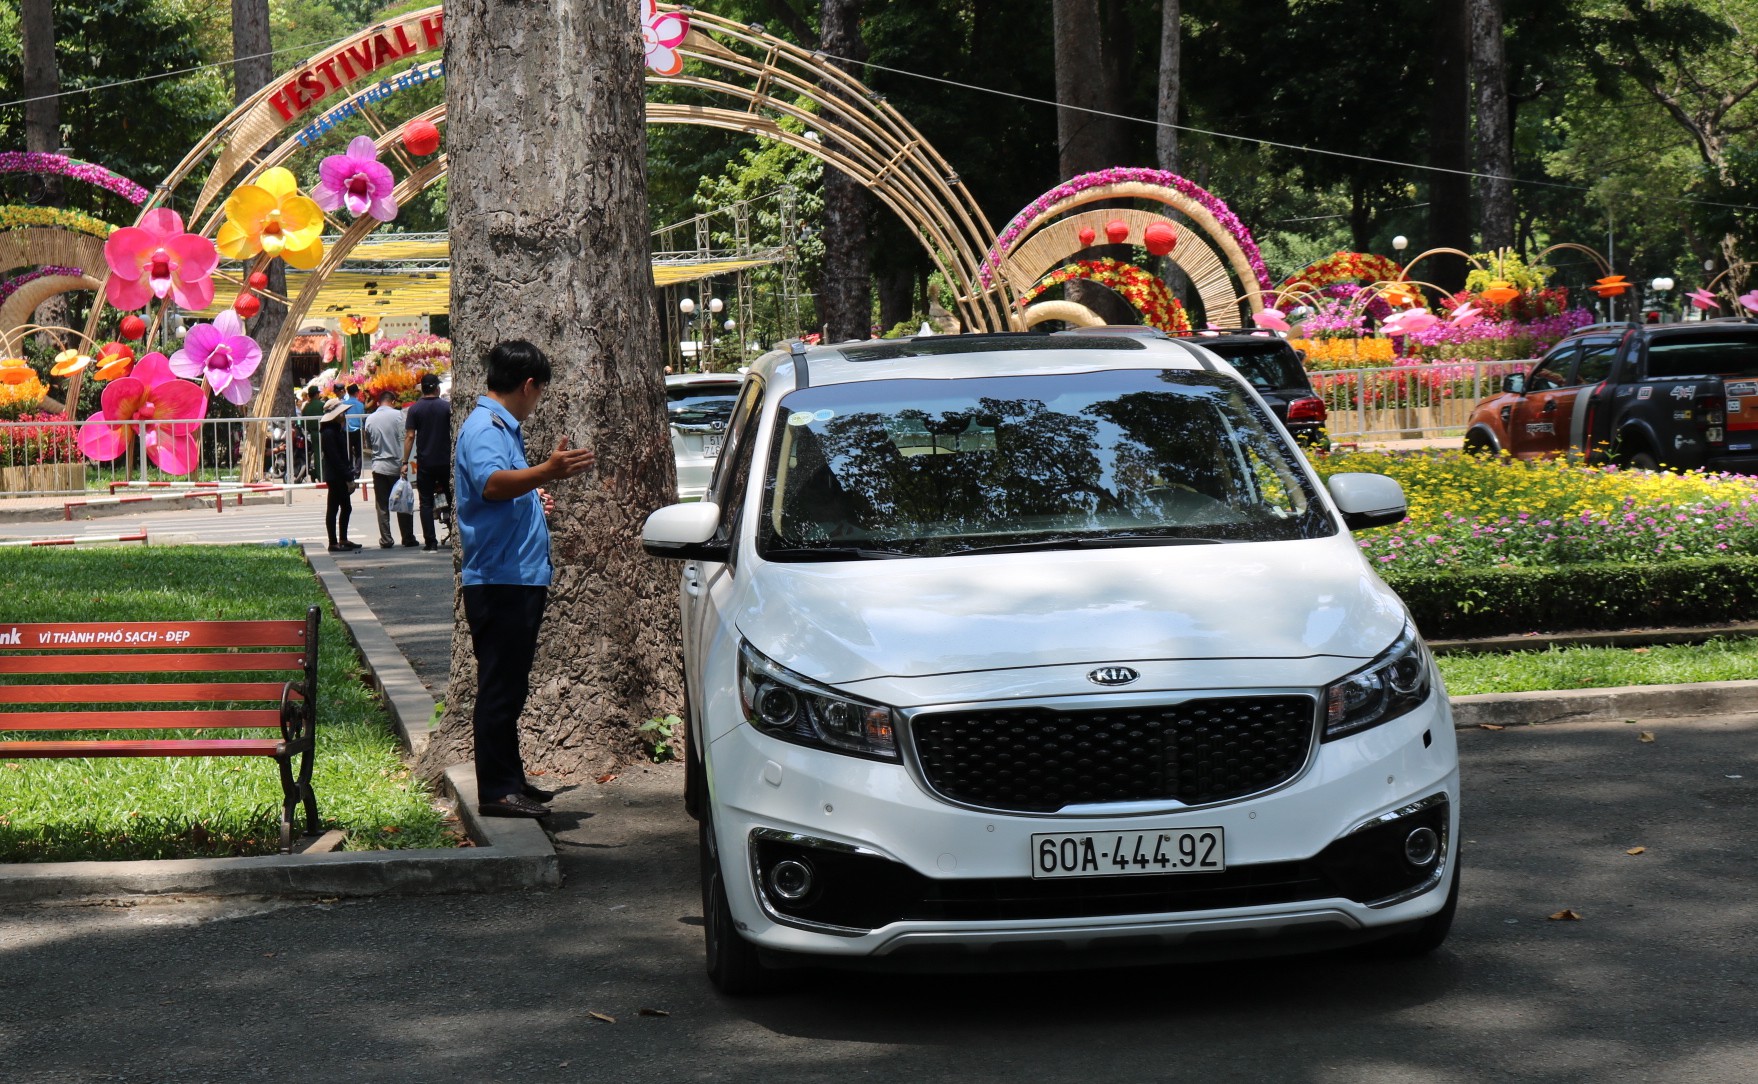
x=785, y=705
x=1397, y=682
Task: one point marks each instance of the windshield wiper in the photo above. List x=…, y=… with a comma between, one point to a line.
x=829, y=553
x=1083, y=542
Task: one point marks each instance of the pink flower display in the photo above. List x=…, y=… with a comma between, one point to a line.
x=151, y=401
x=222, y=354
x=1409, y=322
x=1466, y=315
x=157, y=258
x=358, y=181
x=1271, y=319
x=59, y=165
x=1703, y=299
x=661, y=33
x=1116, y=175
x=1750, y=300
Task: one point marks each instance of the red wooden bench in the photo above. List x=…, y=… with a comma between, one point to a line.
x=186, y=649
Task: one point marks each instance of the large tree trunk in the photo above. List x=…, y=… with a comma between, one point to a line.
x=845, y=291
x=1088, y=77
x=1449, y=193
x=252, y=68
x=1495, y=141
x=546, y=136
x=1166, y=138
x=42, y=116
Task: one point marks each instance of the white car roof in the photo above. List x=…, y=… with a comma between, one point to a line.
x=951, y=357
x=674, y=380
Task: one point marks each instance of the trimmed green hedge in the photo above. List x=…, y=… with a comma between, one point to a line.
x=1461, y=603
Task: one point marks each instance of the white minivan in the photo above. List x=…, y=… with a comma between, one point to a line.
x=1047, y=646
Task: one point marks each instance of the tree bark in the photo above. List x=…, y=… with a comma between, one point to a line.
x=252, y=68
x=1087, y=78
x=1166, y=139
x=845, y=289
x=546, y=135
x=42, y=118
x=1495, y=141
x=1449, y=200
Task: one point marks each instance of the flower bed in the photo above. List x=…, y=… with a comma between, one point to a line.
x=396, y=364
x=55, y=218
x=1472, y=512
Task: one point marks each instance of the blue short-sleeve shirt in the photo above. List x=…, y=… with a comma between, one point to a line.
x=356, y=415
x=505, y=542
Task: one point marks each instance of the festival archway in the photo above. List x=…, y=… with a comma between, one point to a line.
x=754, y=83
x=1219, y=255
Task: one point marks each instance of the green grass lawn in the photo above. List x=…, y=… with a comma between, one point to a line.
x=53, y=810
x=1599, y=667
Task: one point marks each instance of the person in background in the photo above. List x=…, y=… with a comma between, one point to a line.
x=313, y=408
x=356, y=422
x=428, y=431
x=384, y=439
x=506, y=572
x=339, y=476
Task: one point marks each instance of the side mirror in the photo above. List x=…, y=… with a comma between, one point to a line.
x=1368, y=500
x=683, y=531
x=1515, y=384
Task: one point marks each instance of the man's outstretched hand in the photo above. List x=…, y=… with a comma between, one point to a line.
x=565, y=462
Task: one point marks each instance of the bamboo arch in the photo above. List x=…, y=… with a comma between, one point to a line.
x=842, y=122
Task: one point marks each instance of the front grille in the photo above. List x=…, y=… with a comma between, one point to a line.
x=1039, y=760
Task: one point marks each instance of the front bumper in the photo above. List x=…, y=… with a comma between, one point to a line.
x=898, y=872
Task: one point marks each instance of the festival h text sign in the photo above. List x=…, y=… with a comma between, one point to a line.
x=311, y=83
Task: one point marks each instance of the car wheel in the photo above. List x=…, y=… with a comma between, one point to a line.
x=1423, y=936
x=1477, y=445
x=733, y=965
x=1643, y=461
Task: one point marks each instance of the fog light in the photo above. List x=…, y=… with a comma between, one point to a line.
x=1421, y=846
x=791, y=879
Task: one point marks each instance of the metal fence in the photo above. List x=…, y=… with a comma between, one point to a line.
x=1432, y=400
x=44, y=458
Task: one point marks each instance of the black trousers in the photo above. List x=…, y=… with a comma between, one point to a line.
x=337, y=510
x=382, y=484
x=428, y=481
x=504, y=619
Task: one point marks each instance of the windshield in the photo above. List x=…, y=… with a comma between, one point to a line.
x=1731, y=355
x=1268, y=367
x=700, y=404
x=937, y=467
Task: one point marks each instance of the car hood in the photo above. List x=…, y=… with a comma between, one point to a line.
x=856, y=620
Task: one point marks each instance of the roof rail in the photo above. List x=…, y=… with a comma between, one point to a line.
x=802, y=377
x=1603, y=324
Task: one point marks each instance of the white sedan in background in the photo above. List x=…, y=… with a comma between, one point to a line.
x=698, y=406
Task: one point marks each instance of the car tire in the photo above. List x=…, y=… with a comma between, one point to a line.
x=1476, y=444
x=734, y=967
x=1643, y=461
x=1423, y=936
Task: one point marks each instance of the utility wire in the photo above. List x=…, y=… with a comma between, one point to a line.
x=173, y=74
x=1264, y=142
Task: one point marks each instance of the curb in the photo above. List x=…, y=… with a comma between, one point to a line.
x=410, y=703
x=1543, y=641
x=1606, y=705
x=510, y=854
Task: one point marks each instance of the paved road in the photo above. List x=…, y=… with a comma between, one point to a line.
x=1655, y=983
x=254, y=522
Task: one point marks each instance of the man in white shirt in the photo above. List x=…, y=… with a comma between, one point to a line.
x=384, y=438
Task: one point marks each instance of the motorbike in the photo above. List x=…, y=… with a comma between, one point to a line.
x=280, y=447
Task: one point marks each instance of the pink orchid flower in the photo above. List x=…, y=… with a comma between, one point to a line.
x=222, y=354
x=166, y=412
x=1466, y=315
x=1703, y=299
x=1272, y=319
x=1750, y=300
x=1409, y=322
x=358, y=181
x=661, y=33
x=157, y=258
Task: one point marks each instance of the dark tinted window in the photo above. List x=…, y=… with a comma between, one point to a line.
x=700, y=404
x=1554, y=371
x=1704, y=355
x=933, y=467
x=1272, y=365
x=1597, y=356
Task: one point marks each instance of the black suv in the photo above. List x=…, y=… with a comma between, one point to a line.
x=1274, y=368
x=1683, y=396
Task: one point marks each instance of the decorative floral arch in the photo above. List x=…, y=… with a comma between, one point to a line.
x=1361, y=268
x=1145, y=292
x=59, y=165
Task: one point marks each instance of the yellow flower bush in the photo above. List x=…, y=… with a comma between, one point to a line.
x=1345, y=353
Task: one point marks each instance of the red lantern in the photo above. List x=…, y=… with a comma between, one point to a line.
x=1087, y=236
x=246, y=306
x=133, y=327
x=1159, y=238
x=1117, y=231
x=259, y=280
x=421, y=138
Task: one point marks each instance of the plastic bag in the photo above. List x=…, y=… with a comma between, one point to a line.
x=403, y=498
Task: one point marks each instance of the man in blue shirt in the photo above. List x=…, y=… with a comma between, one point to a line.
x=500, y=521
x=356, y=417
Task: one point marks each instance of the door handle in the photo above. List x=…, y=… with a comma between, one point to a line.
x=1550, y=406
x=692, y=580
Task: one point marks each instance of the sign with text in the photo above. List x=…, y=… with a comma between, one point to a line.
x=138, y=634
x=315, y=80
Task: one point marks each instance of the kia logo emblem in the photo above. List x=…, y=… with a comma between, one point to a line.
x=1112, y=675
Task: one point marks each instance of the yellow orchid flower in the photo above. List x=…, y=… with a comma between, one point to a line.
x=68, y=362
x=271, y=217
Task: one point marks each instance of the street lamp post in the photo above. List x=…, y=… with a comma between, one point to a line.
x=1660, y=286
x=704, y=324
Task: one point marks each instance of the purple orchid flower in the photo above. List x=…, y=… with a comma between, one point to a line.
x=222, y=354
x=358, y=181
